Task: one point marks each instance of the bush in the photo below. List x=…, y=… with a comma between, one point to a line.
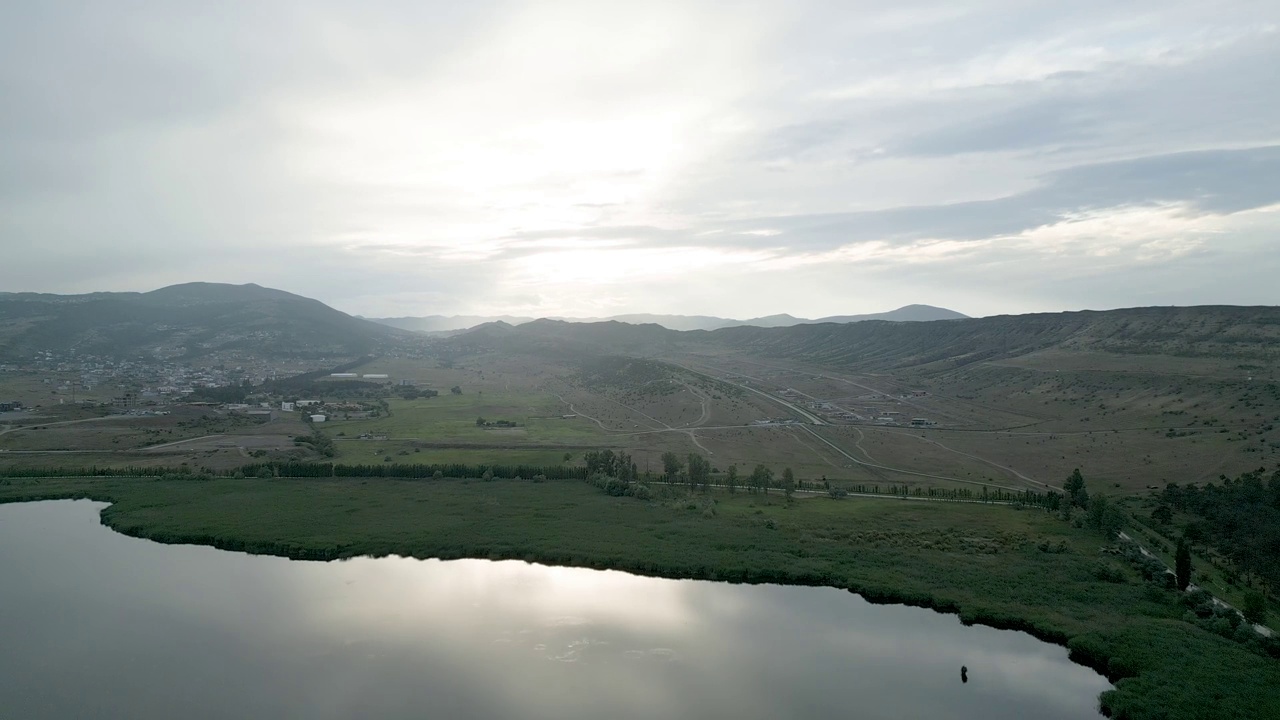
x=1254, y=607
x=1107, y=572
x=1058, y=549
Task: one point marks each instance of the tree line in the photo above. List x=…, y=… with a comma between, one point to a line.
x=295, y=469
x=694, y=472
x=1239, y=518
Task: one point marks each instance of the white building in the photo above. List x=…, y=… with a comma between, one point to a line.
x=317, y=418
x=286, y=406
x=375, y=376
x=306, y=403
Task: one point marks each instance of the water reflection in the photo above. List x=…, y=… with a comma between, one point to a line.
x=97, y=624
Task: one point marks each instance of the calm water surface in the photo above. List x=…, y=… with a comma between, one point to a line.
x=97, y=625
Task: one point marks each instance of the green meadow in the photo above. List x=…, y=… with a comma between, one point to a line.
x=538, y=419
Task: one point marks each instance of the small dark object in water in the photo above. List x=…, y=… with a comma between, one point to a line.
x=964, y=674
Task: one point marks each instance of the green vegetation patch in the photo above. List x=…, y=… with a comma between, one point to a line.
x=1019, y=569
x=533, y=419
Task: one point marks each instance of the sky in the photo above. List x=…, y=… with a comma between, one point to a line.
x=596, y=158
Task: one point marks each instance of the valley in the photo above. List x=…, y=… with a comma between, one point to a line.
x=1131, y=406
x=744, y=453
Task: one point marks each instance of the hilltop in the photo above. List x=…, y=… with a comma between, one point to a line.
x=188, y=320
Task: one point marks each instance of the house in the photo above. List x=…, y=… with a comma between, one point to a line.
x=286, y=406
x=317, y=418
x=306, y=403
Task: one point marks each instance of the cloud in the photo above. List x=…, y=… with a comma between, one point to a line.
x=566, y=159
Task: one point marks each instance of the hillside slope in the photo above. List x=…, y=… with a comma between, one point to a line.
x=1250, y=335
x=189, y=320
x=1246, y=333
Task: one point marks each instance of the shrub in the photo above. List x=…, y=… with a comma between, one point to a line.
x=1107, y=572
x=1254, y=607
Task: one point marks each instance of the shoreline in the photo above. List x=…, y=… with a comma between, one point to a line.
x=1118, y=659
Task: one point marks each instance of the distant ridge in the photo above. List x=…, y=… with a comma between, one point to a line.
x=1248, y=335
x=453, y=323
x=447, y=323
x=184, y=321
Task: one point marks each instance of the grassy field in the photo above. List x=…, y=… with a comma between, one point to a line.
x=1127, y=425
x=452, y=418
x=985, y=563
x=371, y=451
x=91, y=438
x=48, y=388
x=126, y=432
x=1127, y=421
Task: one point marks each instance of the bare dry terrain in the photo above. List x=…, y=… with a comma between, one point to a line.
x=1133, y=398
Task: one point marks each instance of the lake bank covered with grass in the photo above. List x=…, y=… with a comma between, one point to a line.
x=993, y=565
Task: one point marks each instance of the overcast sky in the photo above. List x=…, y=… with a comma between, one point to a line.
x=561, y=158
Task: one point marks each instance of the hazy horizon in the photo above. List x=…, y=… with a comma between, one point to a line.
x=583, y=160
x=688, y=314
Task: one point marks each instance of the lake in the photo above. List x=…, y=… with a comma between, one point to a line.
x=94, y=624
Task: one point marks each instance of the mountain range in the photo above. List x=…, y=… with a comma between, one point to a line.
x=1249, y=336
x=453, y=323
x=207, y=320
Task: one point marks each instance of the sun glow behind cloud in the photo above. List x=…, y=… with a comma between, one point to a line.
x=597, y=267
x=581, y=157
x=517, y=133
